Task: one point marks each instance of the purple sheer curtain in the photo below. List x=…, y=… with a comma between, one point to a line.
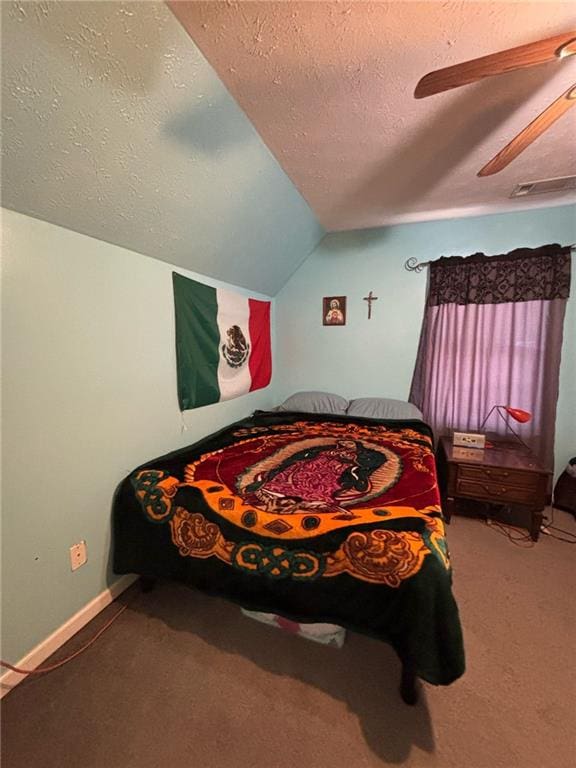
x=492, y=334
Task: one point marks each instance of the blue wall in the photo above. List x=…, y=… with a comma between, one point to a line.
x=376, y=357
x=88, y=393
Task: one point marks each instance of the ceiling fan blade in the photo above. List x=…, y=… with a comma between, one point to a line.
x=530, y=133
x=523, y=56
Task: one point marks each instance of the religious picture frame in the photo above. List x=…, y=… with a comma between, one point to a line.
x=334, y=310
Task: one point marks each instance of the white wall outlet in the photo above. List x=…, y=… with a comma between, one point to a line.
x=78, y=555
x=469, y=440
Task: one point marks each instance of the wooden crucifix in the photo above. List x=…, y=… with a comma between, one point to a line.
x=370, y=299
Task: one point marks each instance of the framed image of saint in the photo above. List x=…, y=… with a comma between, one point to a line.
x=334, y=310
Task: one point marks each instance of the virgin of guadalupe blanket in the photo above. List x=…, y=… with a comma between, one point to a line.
x=317, y=518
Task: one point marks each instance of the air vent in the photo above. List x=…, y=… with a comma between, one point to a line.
x=560, y=184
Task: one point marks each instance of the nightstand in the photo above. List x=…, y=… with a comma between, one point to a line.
x=506, y=474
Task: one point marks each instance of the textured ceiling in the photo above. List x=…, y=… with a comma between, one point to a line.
x=114, y=125
x=329, y=87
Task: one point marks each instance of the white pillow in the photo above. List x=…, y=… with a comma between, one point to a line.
x=315, y=402
x=382, y=408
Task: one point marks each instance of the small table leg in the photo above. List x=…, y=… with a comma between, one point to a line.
x=448, y=508
x=537, y=517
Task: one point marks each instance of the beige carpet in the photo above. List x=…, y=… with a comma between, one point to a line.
x=184, y=680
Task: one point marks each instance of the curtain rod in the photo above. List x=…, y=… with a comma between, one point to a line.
x=413, y=265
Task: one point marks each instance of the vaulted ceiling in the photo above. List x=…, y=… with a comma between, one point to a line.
x=219, y=139
x=329, y=87
x=115, y=126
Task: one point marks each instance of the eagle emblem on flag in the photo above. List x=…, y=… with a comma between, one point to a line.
x=236, y=349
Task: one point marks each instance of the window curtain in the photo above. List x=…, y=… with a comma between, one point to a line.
x=492, y=335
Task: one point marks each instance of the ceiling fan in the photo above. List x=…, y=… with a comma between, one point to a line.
x=531, y=55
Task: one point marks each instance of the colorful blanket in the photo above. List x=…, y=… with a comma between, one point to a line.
x=314, y=517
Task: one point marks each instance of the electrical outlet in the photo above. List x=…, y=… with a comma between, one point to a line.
x=78, y=555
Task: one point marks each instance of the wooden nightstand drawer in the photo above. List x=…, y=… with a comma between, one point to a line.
x=497, y=475
x=494, y=491
x=502, y=474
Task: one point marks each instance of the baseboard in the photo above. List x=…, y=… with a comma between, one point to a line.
x=47, y=647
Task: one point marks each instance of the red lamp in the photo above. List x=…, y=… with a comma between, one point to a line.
x=516, y=413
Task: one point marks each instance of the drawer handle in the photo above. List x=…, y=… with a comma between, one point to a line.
x=497, y=491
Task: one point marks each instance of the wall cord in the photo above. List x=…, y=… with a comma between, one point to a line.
x=51, y=667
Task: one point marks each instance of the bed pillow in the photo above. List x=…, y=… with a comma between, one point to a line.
x=315, y=402
x=382, y=408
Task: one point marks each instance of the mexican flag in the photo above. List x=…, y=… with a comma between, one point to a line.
x=222, y=343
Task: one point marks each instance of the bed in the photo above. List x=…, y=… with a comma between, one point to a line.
x=316, y=517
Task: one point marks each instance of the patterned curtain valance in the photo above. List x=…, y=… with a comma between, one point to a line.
x=525, y=274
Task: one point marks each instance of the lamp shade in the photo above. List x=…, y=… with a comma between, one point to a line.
x=518, y=414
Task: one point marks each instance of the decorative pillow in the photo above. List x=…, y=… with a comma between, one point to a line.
x=382, y=408
x=315, y=402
